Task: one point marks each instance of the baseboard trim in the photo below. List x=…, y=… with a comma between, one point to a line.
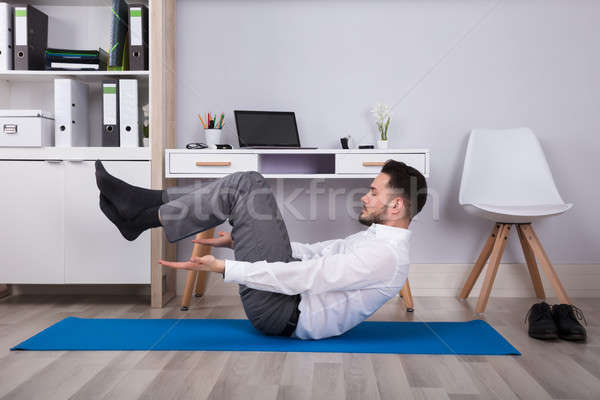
x=444, y=280
x=512, y=280
x=84, y=289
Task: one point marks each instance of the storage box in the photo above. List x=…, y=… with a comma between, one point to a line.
x=26, y=128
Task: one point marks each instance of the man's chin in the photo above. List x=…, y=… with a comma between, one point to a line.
x=365, y=220
x=369, y=219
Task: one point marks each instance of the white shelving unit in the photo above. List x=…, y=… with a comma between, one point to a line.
x=52, y=190
x=84, y=24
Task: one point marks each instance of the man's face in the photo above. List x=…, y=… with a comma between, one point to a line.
x=377, y=202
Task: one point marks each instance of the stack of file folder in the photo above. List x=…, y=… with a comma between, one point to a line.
x=76, y=60
x=121, y=114
x=129, y=37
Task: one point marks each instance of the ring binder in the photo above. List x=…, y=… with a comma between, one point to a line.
x=71, y=127
x=110, y=114
x=6, y=37
x=138, y=38
x=129, y=127
x=31, y=38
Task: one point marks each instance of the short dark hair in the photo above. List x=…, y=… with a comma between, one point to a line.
x=410, y=184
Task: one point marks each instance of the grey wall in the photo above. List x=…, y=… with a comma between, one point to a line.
x=447, y=66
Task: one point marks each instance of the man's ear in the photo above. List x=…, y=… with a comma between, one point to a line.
x=397, y=205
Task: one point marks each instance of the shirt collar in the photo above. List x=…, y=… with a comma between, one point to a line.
x=389, y=232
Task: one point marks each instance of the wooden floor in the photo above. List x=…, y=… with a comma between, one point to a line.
x=555, y=370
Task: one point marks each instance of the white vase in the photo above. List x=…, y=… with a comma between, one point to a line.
x=382, y=144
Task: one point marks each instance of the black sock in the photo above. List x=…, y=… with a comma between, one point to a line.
x=130, y=229
x=129, y=200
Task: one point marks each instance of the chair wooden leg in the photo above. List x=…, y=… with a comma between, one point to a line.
x=407, y=297
x=479, y=264
x=545, y=263
x=492, y=269
x=534, y=273
x=198, y=251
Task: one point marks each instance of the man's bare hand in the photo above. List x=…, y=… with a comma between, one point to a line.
x=224, y=240
x=205, y=263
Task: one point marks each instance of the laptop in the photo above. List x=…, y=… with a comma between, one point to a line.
x=267, y=130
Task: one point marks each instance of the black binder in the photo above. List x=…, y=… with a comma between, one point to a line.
x=31, y=38
x=118, y=46
x=138, y=37
x=110, y=114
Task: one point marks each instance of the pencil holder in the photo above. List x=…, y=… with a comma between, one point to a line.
x=213, y=137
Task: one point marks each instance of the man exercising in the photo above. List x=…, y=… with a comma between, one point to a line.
x=306, y=291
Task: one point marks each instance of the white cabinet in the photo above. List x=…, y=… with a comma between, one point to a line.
x=54, y=232
x=32, y=222
x=95, y=251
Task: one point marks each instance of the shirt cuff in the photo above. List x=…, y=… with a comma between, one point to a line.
x=235, y=271
x=295, y=250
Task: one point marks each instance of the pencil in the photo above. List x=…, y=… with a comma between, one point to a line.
x=200, y=116
x=221, y=120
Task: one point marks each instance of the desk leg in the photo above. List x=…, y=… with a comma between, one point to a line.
x=202, y=276
x=201, y=283
x=407, y=297
x=189, y=287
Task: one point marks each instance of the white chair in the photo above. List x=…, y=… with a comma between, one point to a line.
x=506, y=179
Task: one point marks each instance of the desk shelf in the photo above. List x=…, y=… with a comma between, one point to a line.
x=296, y=164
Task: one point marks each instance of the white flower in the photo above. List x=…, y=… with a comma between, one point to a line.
x=382, y=112
x=146, y=109
x=383, y=116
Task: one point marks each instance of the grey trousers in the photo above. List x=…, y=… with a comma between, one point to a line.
x=258, y=233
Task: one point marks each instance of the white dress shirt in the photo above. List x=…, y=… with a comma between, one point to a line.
x=341, y=282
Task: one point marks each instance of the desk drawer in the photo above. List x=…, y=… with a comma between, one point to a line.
x=180, y=163
x=372, y=163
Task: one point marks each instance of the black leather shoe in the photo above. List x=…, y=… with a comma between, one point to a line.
x=566, y=318
x=541, y=322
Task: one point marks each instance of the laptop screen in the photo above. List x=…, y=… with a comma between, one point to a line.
x=266, y=128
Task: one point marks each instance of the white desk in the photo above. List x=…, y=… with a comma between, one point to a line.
x=292, y=163
x=320, y=163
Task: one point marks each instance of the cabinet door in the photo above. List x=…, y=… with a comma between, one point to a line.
x=95, y=251
x=31, y=222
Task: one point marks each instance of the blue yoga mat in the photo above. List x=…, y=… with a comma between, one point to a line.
x=465, y=338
